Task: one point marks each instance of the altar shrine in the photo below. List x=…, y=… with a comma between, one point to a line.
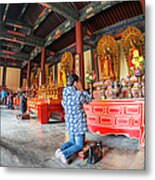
x=49, y=96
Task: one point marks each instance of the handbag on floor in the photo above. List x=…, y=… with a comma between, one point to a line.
x=95, y=153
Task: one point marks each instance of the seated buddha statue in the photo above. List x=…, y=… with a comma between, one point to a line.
x=35, y=82
x=50, y=79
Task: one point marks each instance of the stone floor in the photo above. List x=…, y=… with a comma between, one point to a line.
x=27, y=143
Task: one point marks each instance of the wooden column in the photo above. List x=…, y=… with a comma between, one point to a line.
x=79, y=48
x=143, y=5
x=96, y=70
x=28, y=73
x=43, y=60
x=4, y=76
x=21, y=77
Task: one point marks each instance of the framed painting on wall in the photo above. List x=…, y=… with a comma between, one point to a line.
x=87, y=65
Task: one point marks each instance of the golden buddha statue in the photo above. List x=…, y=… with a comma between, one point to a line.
x=108, y=54
x=50, y=79
x=106, y=67
x=136, y=62
x=62, y=78
x=66, y=66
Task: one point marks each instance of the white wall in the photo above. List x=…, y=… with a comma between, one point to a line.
x=123, y=63
x=13, y=78
x=87, y=64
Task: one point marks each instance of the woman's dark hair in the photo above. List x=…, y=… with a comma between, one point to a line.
x=71, y=79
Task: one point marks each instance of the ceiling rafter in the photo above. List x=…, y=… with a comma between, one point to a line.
x=59, y=31
x=20, y=17
x=9, y=64
x=14, y=55
x=5, y=12
x=90, y=10
x=42, y=16
x=9, y=44
x=63, y=9
x=17, y=24
x=96, y=7
x=29, y=40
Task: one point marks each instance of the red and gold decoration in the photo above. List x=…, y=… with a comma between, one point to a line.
x=120, y=117
x=108, y=53
x=133, y=46
x=66, y=66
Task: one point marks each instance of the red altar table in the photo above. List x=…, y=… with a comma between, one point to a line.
x=45, y=107
x=117, y=116
x=32, y=104
x=16, y=101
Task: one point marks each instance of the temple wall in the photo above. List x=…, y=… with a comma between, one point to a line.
x=13, y=78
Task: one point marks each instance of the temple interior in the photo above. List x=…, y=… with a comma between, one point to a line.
x=102, y=42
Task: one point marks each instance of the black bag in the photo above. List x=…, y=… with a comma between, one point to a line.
x=95, y=153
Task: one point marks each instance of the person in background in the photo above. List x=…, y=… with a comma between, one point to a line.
x=73, y=99
x=23, y=102
x=3, y=97
x=10, y=100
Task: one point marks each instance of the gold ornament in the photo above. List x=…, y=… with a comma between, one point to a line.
x=132, y=39
x=66, y=65
x=108, y=53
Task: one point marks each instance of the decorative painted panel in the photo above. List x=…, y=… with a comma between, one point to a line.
x=119, y=116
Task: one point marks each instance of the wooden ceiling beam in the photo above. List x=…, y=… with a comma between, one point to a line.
x=90, y=10
x=46, y=11
x=59, y=31
x=63, y=9
x=29, y=40
x=5, y=13
x=96, y=7
x=20, y=17
x=35, y=52
x=3, y=62
x=14, y=55
x=9, y=44
x=17, y=24
x=41, y=18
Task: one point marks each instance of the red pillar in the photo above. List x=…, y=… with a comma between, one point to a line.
x=28, y=73
x=143, y=5
x=79, y=48
x=43, y=60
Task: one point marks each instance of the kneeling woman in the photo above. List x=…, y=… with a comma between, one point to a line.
x=73, y=99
